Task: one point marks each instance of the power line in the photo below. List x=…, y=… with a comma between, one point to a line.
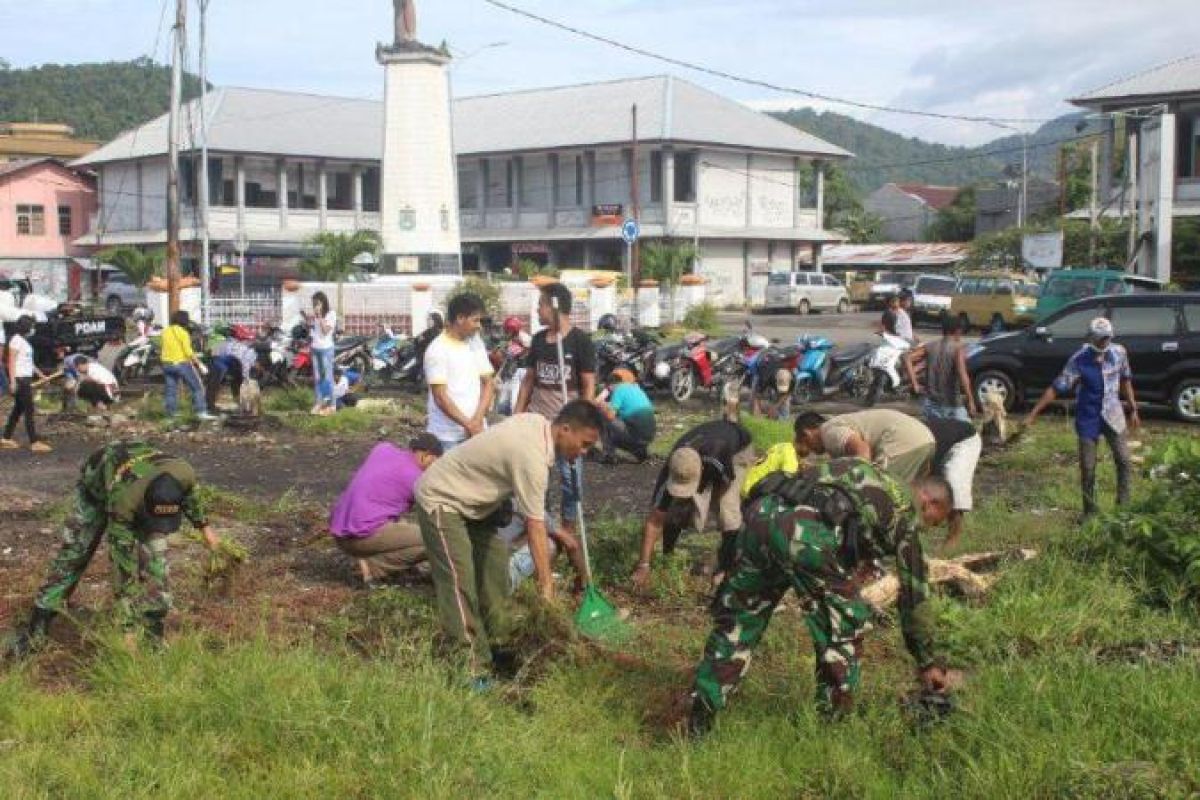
x=762, y=84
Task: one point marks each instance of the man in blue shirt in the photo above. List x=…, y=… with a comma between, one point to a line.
x=1098, y=374
x=630, y=416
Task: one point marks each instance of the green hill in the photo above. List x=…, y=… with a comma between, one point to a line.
x=98, y=100
x=883, y=156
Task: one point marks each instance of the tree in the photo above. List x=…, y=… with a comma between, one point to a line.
x=667, y=262
x=842, y=199
x=138, y=265
x=335, y=254
x=1003, y=248
x=862, y=228
x=955, y=222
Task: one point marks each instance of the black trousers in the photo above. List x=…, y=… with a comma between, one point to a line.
x=94, y=393
x=22, y=406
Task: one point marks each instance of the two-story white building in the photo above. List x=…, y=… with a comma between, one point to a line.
x=543, y=174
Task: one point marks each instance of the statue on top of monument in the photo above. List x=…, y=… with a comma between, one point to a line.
x=406, y=21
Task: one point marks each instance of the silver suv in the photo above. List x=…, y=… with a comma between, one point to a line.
x=119, y=294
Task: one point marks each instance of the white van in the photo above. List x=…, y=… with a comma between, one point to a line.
x=803, y=292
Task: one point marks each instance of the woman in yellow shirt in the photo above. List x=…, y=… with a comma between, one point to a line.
x=180, y=363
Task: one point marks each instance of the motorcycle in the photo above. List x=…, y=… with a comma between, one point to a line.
x=637, y=352
x=695, y=365
x=824, y=371
x=274, y=359
x=350, y=352
x=884, y=364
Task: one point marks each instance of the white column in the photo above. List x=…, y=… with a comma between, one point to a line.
x=819, y=167
x=818, y=257
x=420, y=305
x=281, y=181
x=357, y=172
x=239, y=191
x=668, y=190
x=322, y=187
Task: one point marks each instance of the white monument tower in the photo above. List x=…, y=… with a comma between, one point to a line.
x=419, y=192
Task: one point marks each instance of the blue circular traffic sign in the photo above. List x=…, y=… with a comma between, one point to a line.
x=630, y=230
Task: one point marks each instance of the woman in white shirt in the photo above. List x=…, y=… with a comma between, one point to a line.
x=21, y=371
x=322, y=324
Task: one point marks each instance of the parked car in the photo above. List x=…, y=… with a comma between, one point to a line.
x=888, y=284
x=1064, y=286
x=120, y=294
x=994, y=301
x=1161, y=332
x=931, y=296
x=806, y=291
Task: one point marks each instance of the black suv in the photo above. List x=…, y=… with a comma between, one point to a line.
x=1161, y=332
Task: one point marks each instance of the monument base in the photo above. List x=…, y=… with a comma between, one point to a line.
x=420, y=264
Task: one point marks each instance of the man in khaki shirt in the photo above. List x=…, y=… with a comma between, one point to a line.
x=889, y=439
x=462, y=500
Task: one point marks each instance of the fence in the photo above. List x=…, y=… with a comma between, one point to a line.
x=248, y=309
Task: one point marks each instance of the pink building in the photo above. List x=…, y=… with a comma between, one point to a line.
x=44, y=207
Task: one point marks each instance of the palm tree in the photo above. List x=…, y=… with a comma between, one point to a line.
x=138, y=265
x=335, y=255
x=667, y=262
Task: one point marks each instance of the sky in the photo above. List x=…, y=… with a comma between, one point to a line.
x=1014, y=59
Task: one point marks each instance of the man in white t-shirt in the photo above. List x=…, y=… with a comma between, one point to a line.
x=459, y=374
x=90, y=381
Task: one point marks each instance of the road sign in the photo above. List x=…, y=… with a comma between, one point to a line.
x=630, y=230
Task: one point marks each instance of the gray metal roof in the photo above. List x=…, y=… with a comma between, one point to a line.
x=295, y=124
x=1179, y=77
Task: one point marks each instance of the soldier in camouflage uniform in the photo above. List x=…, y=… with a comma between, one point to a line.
x=822, y=532
x=137, y=496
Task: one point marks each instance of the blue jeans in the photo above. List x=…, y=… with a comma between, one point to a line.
x=174, y=373
x=932, y=411
x=322, y=363
x=570, y=496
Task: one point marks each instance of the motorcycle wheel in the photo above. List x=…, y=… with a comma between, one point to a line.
x=683, y=382
x=877, y=382
x=804, y=392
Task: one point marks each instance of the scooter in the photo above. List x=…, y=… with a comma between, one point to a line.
x=824, y=371
x=140, y=357
x=885, y=368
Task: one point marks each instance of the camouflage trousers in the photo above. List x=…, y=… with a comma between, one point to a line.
x=766, y=565
x=139, y=562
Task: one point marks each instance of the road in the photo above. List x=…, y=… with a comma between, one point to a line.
x=843, y=329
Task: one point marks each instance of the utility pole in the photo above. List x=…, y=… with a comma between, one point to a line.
x=1131, y=135
x=1023, y=208
x=634, y=249
x=205, y=259
x=1094, y=204
x=635, y=260
x=180, y=32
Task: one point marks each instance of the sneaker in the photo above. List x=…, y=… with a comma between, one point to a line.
x=41, y=447
x=8, y=444
x=206, y=417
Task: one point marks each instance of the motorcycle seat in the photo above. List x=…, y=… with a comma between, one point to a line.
x=348, y=343
x=851, y=353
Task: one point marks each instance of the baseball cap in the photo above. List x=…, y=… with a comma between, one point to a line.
x=426, y=442
x=683, y=473
x=1100, y=328
x=162, y=508
x=623, y=375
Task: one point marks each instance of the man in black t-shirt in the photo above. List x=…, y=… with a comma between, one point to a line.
x=541, y=390
x=704, y=473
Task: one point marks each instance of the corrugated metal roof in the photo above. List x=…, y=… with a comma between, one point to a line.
x=1181, y=76
x=898, y=255
x=294, y=124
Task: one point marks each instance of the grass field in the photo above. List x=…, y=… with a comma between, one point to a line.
x=1072, y=690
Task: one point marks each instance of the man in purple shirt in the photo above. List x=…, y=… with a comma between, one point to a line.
x=367, y=519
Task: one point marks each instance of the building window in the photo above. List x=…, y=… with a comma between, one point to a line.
x=31, y=221
x=535, y=180
x=371, y=190
x=339, y=190
x=468, y=186
x=685, y=177
x=656, y=176
x=500, y=184
x=262, y=179
x=64, y=220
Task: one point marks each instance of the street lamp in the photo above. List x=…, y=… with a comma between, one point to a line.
x=1023, y=200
